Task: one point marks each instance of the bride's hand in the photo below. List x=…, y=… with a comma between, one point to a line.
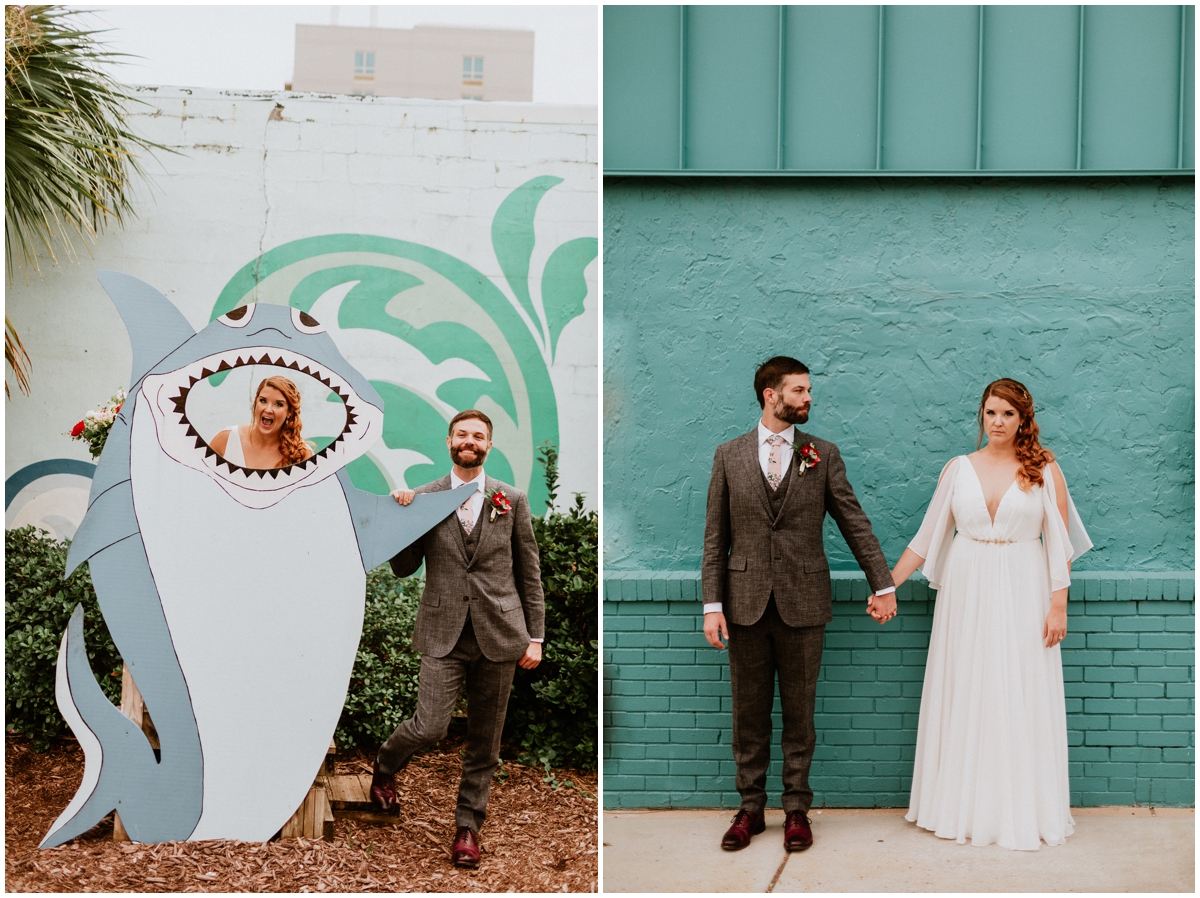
x=404, y=497
x=1056, y=626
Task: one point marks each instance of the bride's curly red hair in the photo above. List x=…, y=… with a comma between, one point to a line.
x=1030, y=453
x=292, y=447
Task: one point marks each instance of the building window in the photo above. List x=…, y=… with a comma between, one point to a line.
x=364, y=65
x=473, y=70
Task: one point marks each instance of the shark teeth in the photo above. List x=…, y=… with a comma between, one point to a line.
x=262, y=478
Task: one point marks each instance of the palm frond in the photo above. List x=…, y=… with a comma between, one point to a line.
x=68, y=154
x=16, y=357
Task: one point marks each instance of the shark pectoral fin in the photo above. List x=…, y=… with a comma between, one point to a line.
x=383, y=526
x=109, y=519
x=156, y=328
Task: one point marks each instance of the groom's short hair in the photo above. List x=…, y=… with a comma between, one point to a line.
x=471, y=413
x=770, y=374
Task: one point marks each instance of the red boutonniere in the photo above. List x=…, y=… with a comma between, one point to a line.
x=499, y=504
x=806, y=457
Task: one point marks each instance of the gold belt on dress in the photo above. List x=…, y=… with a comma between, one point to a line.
x=999, y=542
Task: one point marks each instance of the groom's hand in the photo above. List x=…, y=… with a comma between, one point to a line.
x=404, y=497
x=714, y=629
x=882, y=608
x=532, y=657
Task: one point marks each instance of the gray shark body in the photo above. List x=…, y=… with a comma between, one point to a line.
x=235, y=596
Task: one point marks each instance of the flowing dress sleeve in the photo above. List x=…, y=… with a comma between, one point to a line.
x=1063, y=542
x=932, y=541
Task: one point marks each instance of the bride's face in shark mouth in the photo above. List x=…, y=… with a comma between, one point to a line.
x=271, y=411
x=166, y=395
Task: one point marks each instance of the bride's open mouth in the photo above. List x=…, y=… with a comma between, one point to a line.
x=168, y=394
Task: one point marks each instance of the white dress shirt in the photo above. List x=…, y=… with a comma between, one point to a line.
x=785, y=459
x=474, y=505
x=785, y=448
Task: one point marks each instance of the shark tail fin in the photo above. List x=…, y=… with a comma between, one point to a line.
x=96, y=723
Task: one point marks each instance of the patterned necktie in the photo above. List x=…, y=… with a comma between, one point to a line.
x=774, y=474
x=465, y=516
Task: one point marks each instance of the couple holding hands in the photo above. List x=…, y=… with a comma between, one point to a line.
x=481, y=614
x=997, y=543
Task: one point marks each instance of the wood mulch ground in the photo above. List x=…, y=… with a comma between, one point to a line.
x=536, y=839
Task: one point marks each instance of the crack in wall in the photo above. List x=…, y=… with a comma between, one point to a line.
x=275, y=115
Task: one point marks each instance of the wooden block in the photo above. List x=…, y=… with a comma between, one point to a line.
x=325, y=816
x=348, y=792
x=291, y=829
x=362, y=786
x=350, y=798
x=119, y=834
x=372, y=816
x=313, y=819
x=134, y=707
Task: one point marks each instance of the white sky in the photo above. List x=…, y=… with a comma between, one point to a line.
x=252, y=47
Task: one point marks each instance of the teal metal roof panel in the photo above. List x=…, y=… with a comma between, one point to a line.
x=641, y=70
x=930, y=87
x=899, y=90
x=732, y=86
x=1030, y=87
x=1131, y=86
x=830, y=93
x=1187, y=137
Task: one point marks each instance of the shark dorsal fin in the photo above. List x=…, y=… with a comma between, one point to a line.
x=156, y=328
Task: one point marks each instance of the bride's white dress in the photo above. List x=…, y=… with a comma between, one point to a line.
x=991, y=759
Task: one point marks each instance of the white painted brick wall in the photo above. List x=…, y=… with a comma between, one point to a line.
x=242, y=183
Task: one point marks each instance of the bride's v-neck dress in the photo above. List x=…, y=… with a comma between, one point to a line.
x=991, y=758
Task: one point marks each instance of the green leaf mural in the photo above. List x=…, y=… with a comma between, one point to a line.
x=563, y=286
x=513, y=236
x=435, y=335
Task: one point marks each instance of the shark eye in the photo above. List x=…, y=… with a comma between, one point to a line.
x=306, y=323
x=238, y=317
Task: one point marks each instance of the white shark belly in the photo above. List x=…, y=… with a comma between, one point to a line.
x=265, y=610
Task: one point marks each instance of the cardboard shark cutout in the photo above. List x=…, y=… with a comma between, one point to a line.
x=234, y=595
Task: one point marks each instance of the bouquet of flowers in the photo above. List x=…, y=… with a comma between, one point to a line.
x=94, y=427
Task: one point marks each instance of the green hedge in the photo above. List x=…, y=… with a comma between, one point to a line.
x=552, y=714
x=37, y=604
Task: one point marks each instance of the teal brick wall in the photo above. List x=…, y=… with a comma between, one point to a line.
x=1128, y=663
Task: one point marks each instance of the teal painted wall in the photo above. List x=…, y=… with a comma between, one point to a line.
x=1128, y=663
x=905, y=297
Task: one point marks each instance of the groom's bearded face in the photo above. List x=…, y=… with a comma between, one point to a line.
x=793, y=399
x=793, y=414
x=469, y=444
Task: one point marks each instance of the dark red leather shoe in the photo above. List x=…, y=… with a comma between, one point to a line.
x=465, y=851
x=745, y=824
x=797, y=832
x=383, y=790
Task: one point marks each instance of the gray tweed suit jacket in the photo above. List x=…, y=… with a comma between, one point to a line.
x=501, y=583
x=748, y=554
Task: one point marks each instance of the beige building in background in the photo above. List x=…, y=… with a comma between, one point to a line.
x=434, y=62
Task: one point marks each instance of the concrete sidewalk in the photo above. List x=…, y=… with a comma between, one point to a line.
x=1112, y=850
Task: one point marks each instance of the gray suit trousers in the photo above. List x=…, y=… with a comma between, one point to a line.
x=756, y=653
x=488, y=687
